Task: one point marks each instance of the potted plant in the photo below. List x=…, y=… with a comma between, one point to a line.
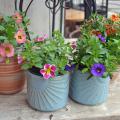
x=48, y=81
x=12, y=36
x=95, y=61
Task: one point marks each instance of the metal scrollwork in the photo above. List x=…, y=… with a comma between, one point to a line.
x=54, y=6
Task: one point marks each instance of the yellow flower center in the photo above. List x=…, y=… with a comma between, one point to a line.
x=19, y=37
x=48, y=71
x=7, y=50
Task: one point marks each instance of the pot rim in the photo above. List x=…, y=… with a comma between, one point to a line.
x=50, y=78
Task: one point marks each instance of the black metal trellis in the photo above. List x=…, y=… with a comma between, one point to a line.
x=21, y=10
x=55, y=6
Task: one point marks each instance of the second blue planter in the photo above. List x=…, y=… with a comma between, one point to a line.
x=89, y=92
x=47, y=95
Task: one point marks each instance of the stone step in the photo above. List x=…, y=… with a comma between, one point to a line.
x=15, y=107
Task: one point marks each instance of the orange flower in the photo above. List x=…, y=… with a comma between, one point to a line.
x=20, y=36
x=110, y=31
x=96, y=32
x=107, y=26
x=115, y=18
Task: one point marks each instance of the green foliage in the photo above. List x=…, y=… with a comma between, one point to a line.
x=51, y=51
x=8, y=29
x=90, y=49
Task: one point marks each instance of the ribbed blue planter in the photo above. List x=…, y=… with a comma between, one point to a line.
x=89, y=92
x=47, y=95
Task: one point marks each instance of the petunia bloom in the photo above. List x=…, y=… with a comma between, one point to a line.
x=18, y=17
x=115, y=18
x=9, y=50
x=103, y=40
x=70, y=67
x=2, y=53
x=110, y=31
x=73, y=44
x=20, y=59
x=41, y=39
x=98, y=70
x=48, y=71
x=96, y=32
x=20, y=36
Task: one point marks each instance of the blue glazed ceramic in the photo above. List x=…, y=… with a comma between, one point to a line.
x=47, y=95
x=89, y=92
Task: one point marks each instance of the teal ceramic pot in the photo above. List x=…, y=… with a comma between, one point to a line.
x=47, y=95
x=89, y=92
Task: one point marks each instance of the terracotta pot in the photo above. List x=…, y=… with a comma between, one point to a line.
x=12, y=78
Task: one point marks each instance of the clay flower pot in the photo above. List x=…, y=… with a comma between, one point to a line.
x=47, y=95
x=12, y=78
x=88, y=92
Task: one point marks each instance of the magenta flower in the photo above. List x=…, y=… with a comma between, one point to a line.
x=48, y=71
x=9, y=50
x=98, y=70
x=73, y=44
x=41, y=39
x=20, y=59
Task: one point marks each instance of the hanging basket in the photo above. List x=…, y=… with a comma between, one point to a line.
x=89, y=92
x=47, y=95
x=12, y=78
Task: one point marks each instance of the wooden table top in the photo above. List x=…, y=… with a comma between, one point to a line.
x=74, y=15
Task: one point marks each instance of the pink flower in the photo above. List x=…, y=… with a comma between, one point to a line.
x=48, y=71
x=41, y=39
x=9, y=50
x=20, y=59
x=73, y=44
x=2, y=53
x=18, y=17
x=20, y=36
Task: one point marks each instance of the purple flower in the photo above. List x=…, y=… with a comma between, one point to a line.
x=98, y=70
x=69, y=67
x=102, y=38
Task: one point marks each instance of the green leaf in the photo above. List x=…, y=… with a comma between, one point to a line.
x=38, y=65
x=2, y=28
x=25, y=66
x=6, y=18
x=3, y=38
x=85, y=70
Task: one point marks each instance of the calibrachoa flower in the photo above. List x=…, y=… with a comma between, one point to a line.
x=41, y=39
x=20, y=36
x=70, y=67
x=115, y=18
x=110, y=31
x=102, y=38
x=96, y=32
x=2, y=53
x=18, y=17
x=73, y=44
x=20, y=59
x=98, y=70
x=48, y=71
x=9, y=50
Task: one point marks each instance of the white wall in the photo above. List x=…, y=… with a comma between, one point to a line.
x=38, y=13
